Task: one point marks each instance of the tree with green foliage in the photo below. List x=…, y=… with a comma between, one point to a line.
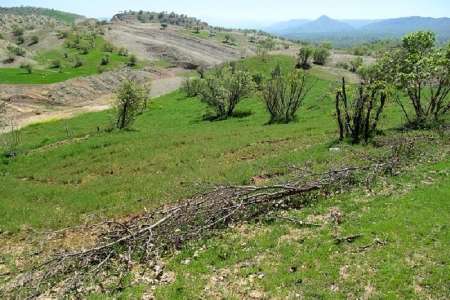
x=55, y=64
x=164, y=26
x=132, y=61
x=224, y=88
x=131, y=99
x=77, y=62
x=192, y=86
x=33, y=40
x=321, y=55
x=28, y=67
x=123, y=52
x=105, y=60
x=355, y=64
x=284, y=94
x=17, y=31
x=108, y=47
x=421, y=72
x=303, y=57
x=16, y=51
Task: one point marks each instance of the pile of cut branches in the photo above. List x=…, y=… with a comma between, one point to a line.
x=141, y=240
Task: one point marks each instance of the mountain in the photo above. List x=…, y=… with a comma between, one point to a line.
x=282, y=27
x=401, y=26
x=324, y=24
x=344, y=33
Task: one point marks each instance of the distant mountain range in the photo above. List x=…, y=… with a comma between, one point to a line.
x=348, y=32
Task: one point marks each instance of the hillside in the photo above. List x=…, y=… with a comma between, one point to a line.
x=61, y=16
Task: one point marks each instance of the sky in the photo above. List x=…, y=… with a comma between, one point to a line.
x=247, y=13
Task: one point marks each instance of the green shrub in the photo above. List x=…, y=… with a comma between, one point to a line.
x=355, y=64
x=224, y=88
x=105, y=60
x=131, y=98
x=17, y=31
x=108, y=47
x=55, y=64
x=27, y=67
x=34, y=40
x=284, y=94
x=16, y=51
x=321, y=55
x=132, y=61
x=303, y=57
x=192, y=86
x=123, y=52
x=77, y=62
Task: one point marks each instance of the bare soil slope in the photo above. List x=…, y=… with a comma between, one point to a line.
x=148, y=41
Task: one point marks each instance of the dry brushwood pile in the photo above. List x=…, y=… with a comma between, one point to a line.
x=140, y=241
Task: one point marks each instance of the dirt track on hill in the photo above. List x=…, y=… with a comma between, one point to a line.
x=148, y=41
x=28, y=104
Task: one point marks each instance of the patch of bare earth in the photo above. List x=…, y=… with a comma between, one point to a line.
x=28, y=104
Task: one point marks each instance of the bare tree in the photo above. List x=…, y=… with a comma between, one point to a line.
x=358, y=117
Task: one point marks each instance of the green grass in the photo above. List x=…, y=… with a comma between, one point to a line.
x=294, y=262
x=44, y=74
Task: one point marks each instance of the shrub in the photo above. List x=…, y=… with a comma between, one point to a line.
x=77, y=62
x=355, y=64
x=123, y=52
x=132, y=61
x=20, y=40
x=303, y=57
x=105, y=60
x=17, y=31
x=358, y=117
x=192, y=86
x=223, y=89
x=420, y=71
x=34, y=40
x=321, y=56
x=342, y=65
x=164, y=26
x=283, y=94
x=258, y=79
x=16, y=51
x=131, y=97
x=62, y=34
x=55, y=64
x=108, y=47
x=1, y=36
x=27, y=67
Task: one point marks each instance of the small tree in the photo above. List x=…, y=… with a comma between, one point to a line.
x=132, y=61
x=78, y=62
x=27, y=67
x=355, y=64
x=105, y=60
x=303, y=57
x=55, y=64
x=358, y=117
x=284, y=94
x=421, y=71
x=223, y=89
x=131, y=99
x=321, y=56
x=192, y=87
x=108, y=47
x=34, y=40
x=164, y=26
x=123, y=52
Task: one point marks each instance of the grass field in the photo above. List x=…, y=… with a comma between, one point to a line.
x=72, y=171
x=43, y=74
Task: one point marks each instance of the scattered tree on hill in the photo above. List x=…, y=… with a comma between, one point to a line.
x=132, y=61
x=27, y=67
x=284, y=94
x=421, y=72
x=123, y=52
x=321, y=55
x=108, y=47
x=55, y=64
x=192, y=87
x=164, y=26
x=264, y=47
x=224, y=88
x=131, y=100
x=228, y=39
x=15, y=51
x=105, y=60
x=303, y=57
x=355, y=64
x=78, y=62
x=34, y=40
x=358, y=111
x=17, y=31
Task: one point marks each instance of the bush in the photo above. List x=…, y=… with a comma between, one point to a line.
x=62, y=34
x=108, y=47
x=34, y=40
x=16, y=51
x=17, y=31
x=131, y=98
x=105, y=60
x=20, y=40
x=358, y=117
x=258, y=79
x=303, y=57
x=355, y=64
x=321, y=56
x=27, y=67
x=192, y=86
x=55, y=64
x=283, y=94
x=123, y=52
x=132, y=61
x=342, y=65
x=223, y=89
x=77, y=62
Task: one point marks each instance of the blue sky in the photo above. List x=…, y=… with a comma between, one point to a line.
x=253, y=12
